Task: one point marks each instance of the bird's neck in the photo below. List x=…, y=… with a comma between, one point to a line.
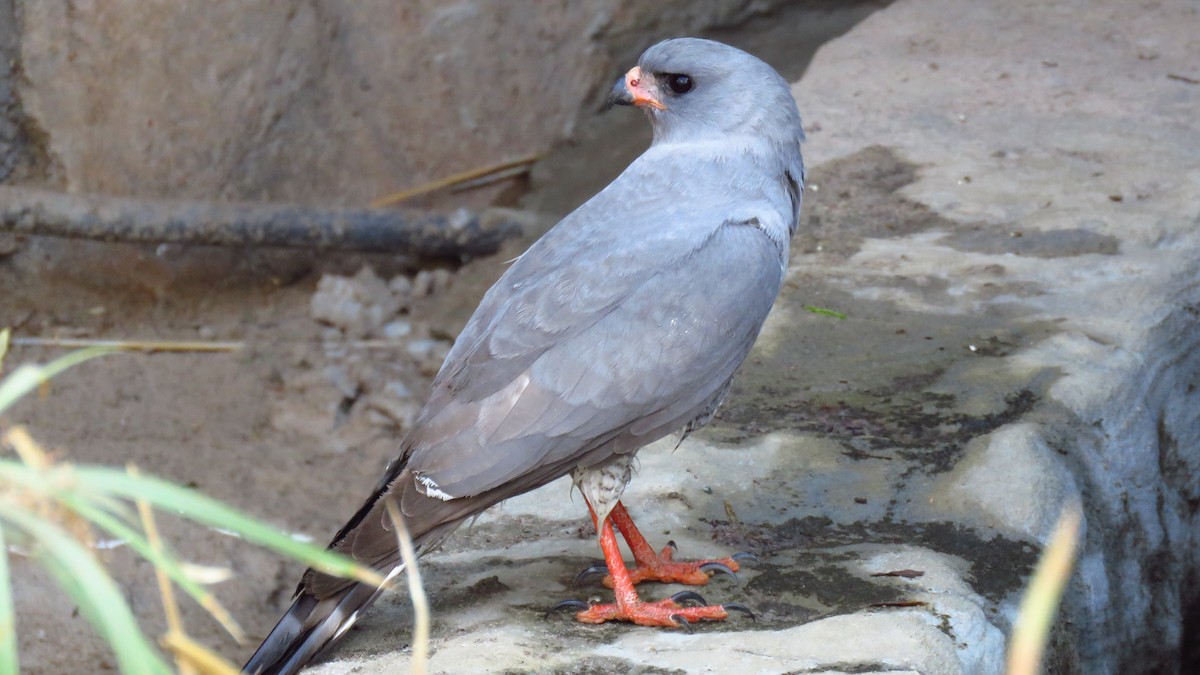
x=771, y=155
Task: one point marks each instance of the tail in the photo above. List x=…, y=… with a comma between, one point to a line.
x=307, y=628
x=326, y=606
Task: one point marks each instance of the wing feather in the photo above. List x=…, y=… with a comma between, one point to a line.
x=646, y=364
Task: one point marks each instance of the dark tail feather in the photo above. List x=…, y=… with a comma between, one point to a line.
x=325, y=606
x=306, y=629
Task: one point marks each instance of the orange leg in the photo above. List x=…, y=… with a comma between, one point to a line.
x=628, y=607
x=653, y=566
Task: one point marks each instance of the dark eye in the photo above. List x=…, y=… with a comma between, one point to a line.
x=679, y=83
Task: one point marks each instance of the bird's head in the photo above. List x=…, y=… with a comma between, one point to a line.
x=694, y=89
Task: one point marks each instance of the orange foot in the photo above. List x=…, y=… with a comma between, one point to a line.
x=669, y=613
x=662, y=567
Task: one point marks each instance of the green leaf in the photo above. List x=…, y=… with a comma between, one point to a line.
x=8, y=618
x=213, y=513
x=28, y=377
x=96, y=594
x=101, y=495
x=825, y=312
x=160, y=559
x=184, y=502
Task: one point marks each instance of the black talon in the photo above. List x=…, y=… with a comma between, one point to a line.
x=721, y=567
x=566, y=604
x=598, y=568
x=678, y=618
x=682, y=596
x=738, y=607
x=744, y=555
x=672, y=544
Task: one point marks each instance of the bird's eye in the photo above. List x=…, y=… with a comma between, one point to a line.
x=679, y=83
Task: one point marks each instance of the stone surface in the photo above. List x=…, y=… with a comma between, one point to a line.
x=18, y=154
x=359, y=306
x=1003, y=203
x=1066, y=126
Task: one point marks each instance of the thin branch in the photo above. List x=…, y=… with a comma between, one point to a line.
x=472, y=177
x=416, y=591
x=165, y=590
x=130, y=345
x=199, y=657
x=459, y=234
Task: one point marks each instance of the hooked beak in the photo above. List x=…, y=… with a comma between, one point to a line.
x=633, y=89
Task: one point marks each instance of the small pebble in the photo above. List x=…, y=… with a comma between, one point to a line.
x=422, y=284
x=397, y=329
x=401, y=286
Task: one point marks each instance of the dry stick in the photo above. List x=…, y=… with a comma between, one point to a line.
x=1039, y=607
x=197, y=655
x=180, y=345
x=416, y=592
x=502, y=175
x=472, y=176
x=29, y=452
x=130, y=345
x=184, y=345
x=170, y=607
x=191, y=657
x=421, y=233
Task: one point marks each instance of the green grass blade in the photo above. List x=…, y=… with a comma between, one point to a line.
x=104, y=482
x=8, y=617
x=88, y=584
x=160, y=559
x=4, y=339
x=28, y=377
x=825, y=312
x=208, y=511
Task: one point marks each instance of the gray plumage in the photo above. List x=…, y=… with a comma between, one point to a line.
x=621, y=325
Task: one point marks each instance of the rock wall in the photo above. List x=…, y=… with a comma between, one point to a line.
x=329, y=102
x=14, y=134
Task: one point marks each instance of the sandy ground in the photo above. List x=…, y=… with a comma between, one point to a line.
x=259, y=428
